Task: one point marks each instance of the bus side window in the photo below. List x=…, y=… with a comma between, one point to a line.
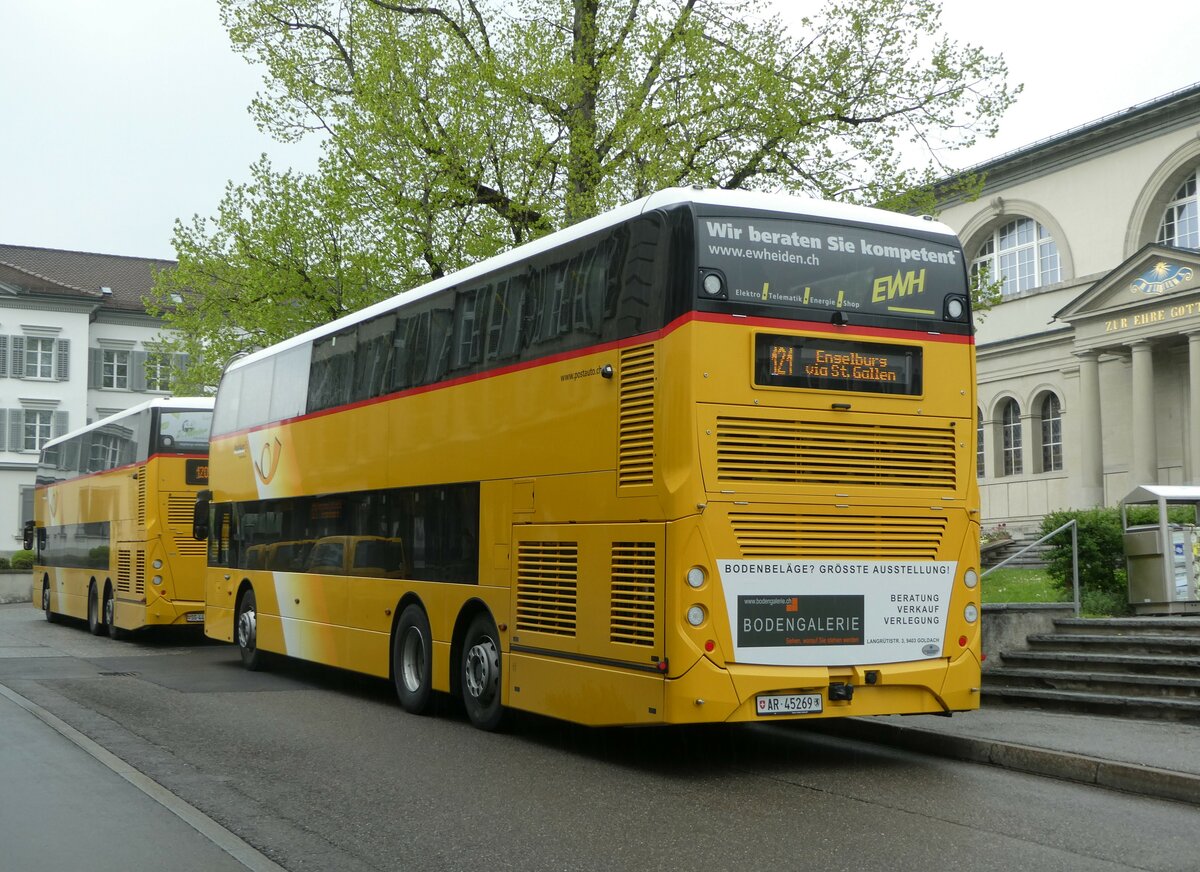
x=372, y=362
x=506, y=318
x=469, y=314
x=638, y=309
x=411, y=347
x=332, y=370
x=441, y=339
x=533, y=310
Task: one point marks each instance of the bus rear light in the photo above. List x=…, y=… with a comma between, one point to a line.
x=971, y=613
x=710, y=646
x=962, y=641
x=157, y=563
x=696, y=576
x=695, y=615
x=156, y=580
x=971, y=578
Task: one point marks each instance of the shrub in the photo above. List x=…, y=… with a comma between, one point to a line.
x=21, y=560
x=1101, y=550
x=1103, y=589
x=4, y=564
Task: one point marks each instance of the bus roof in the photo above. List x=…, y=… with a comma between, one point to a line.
x=185, y=404
x=786, y=204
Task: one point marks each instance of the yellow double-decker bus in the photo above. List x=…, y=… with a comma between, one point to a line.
x=113, y=511
x=707, y=457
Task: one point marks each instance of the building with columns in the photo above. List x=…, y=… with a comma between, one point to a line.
x=1089, y=368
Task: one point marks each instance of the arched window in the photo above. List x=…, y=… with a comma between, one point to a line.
x=978, y=443
x=1180, y=224
x=1021, y=254
x=1010, y=428
x=1052, y=455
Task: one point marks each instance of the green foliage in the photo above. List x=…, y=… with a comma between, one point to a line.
x=4, y=564
x=451, y=131
x=1101, y=552
x=21, y=560
x=1104, y=603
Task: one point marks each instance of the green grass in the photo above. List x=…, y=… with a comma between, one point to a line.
x=1021, y=586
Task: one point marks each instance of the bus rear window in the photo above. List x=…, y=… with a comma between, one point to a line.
x=183, y=431
x=807, y=269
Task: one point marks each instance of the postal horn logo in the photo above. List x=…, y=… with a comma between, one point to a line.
x=268, y=461
x=1160, y=278
x=52, y=503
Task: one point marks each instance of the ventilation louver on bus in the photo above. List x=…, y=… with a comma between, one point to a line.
x=631, y=603
x=635, y=439
x=794, y=534
x=180, y=511
x=773, y=451
x=547, y=587
x=141, y=496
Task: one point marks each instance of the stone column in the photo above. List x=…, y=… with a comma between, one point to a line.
x=1143, y=465
x=1089, y=431
x=1193, y=444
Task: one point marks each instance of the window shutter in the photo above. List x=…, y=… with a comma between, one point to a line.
x=63, y=371
x=16, y=429
x=3, y=357
x=137, y=378
x=4, y=430
x=95, y=368
x=58, y=425
x=18, y=357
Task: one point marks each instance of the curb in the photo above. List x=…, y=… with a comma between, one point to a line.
x=1129, y=777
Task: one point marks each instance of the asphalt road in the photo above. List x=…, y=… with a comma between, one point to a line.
x=321, y=770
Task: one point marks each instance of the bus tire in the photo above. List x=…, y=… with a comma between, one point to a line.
x=110, y=615
x=412, y=660
x=479, y=674
x=245, y=631
x=51, y=616
x=95, y=623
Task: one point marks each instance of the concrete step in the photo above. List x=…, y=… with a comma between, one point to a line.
x=1111, y=662
x=1130, y=627
x=1157, y=708
x=1179, y=646
x=1122, y=684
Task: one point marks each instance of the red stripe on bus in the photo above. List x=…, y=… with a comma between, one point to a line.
x=640, y=339
x=159, y=455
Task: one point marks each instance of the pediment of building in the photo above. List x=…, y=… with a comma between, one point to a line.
x=1155, y=291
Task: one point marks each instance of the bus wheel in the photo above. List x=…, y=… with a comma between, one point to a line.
x=480, y=675
x=412, y=660
x=50, y=616
x=95, y=624
x=110, y=615
x=246, y=629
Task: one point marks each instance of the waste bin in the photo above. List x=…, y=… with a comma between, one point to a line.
x=1163, y=558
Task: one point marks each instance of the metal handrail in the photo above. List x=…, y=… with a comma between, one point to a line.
x=1074, y=525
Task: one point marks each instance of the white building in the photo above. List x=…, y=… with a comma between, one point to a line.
x=1089, y=370
x=76, y=345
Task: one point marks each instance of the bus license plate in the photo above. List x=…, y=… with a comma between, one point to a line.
x=789, y=703
x=194, y=617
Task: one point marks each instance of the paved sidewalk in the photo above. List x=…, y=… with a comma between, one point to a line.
x=1152, y=758
x=68, y=804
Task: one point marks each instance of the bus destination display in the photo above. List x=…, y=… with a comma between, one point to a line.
x=836, y=365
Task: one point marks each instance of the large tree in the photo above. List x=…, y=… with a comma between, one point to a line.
x=453, y=129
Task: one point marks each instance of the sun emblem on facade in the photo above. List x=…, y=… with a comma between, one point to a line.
x=1160, y=278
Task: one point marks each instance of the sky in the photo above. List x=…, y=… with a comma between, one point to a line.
x=118, y=117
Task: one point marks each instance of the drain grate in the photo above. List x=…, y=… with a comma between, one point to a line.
x=120, y=674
